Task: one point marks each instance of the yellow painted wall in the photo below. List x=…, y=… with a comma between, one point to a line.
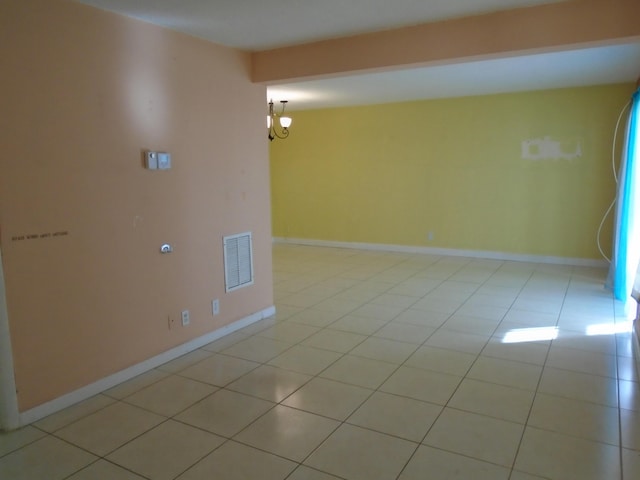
x=390, y=174
x=83, y=93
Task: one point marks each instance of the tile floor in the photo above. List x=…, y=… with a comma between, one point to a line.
x=377, y=366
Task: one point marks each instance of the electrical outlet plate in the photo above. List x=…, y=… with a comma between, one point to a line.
x=185, y=318
x=215, y=307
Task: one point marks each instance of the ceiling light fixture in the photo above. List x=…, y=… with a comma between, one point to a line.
x=284, y=122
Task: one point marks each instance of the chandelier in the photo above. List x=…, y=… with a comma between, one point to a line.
x=278, y=121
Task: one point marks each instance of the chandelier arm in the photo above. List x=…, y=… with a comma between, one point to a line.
x=283, y=135
x=272, y=132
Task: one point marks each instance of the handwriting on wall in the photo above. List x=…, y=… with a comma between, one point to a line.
x=39, y=236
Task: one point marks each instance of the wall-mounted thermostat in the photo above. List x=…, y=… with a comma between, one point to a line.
x=164, y=161
x=157, y=160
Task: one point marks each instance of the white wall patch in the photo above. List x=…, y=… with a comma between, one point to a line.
x=547, y=148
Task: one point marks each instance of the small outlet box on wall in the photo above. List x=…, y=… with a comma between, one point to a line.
x=151, y=160
x=157, y=160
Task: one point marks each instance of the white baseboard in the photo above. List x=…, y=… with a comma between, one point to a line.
x=515, y=257
x=106, y=383
x=635, y=333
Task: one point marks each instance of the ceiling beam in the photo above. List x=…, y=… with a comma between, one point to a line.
x=551, y=27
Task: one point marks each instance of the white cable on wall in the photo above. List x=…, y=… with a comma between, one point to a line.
x=615, y=177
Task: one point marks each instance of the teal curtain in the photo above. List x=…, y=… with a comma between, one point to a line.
x=626, y=245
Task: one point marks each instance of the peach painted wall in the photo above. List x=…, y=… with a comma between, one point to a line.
x=562, y=25
x=84, y=92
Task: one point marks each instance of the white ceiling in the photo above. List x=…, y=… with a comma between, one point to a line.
x=263, y=24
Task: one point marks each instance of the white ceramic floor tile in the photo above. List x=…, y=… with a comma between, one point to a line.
x=629, y=395
x=459, y=341
x=46, y=459
x=289, y=332
x=499, y=401
x=170, y=395
x=506, y=372
x=630, y=464
x=422, y=384
x=450, y=466
x=300, y=299
x=303, y=359
x=288, y=432
x=540, y=306
x=257, y=349
x=438, y=304
x=524, y=476
x=136, y=384
x=315, y=318
x=625, y=344
x=260, y=325
x=328, y=398
x=423, y=331
x=166, y=451
x=530, y=318
x=467, y=324
x=180, y=363
x=577, y=418
x=384, y=350
x=404, y=332
x=524, y=333
x=225, y=412
x=338, y=305
x=394, y=415
x=487, y=312
x=630, y=426
x=414, y=287
x=334, y=340
x=10, y=441
x=605, y=344
x=358, y=324
x=579, y=386
x=307, y=473
x=487, y=300
x=441, y=360
x=359, y=454
x=526, y=352
x=363, y=372
x=454, y=290
x=628, y=369
x=582, y=361
x=477, y=436
x=562, y=457
x=69, y=415
x=233, y=461
x=104, y=470
x=110, y=428
x=225, y=342
x=270, y=383
x=422, y=318
x=394, y=300
x=219, y=370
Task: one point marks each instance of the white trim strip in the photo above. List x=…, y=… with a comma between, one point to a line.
x=515, y=257
x=106, y=383
x=9, y=416
x=635, y=335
